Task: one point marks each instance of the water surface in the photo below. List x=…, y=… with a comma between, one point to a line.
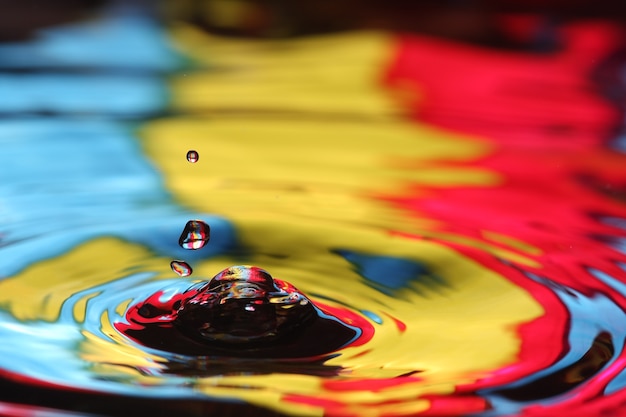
x=462, y=207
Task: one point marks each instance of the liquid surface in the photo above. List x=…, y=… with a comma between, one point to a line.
x=461, y=234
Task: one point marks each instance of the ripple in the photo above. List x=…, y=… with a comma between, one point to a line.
x=453, y=264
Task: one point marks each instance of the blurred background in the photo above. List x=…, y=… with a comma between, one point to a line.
x=471, y=21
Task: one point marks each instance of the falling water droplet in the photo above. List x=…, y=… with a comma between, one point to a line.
x=195, y=235
x=192, y=156
x=182, y=268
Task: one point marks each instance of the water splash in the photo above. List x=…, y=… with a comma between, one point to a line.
x=195, y=235
x=182, y=268
x=241, y=312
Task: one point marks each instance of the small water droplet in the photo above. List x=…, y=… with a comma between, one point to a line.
x=195, y=235
x=192, y=156
x=182, y=268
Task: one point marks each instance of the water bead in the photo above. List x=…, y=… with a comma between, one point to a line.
x=195, y=235
x=182, y=268
x=192, y=156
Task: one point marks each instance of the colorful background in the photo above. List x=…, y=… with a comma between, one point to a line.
x=462, y=201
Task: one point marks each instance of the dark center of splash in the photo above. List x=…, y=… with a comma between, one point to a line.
x=243, y=305
x=241, y=312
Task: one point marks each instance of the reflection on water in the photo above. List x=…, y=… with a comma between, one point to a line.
x=454, y=214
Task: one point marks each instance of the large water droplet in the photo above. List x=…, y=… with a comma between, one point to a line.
x=195, y=235
x=192, y=156
x=182, y=268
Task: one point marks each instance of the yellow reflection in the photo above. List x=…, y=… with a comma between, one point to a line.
x=331, y=75
x=265, y=390
x=80, y=307
x=39, y=291
x=115, y=352
x=512, y=242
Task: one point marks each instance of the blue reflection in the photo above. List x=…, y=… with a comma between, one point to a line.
x=118, y=95
x=389, y=273
x=118, y=40
x=63, y=182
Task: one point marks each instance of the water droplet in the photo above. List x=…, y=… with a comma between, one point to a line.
x=182, y=268
x=195, y=235
x=192, y=156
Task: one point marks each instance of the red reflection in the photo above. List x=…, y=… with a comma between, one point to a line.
x=543, y=108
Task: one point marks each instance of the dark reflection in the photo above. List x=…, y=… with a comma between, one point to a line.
x=20, y=19
x=559, y=382
x=243, y=313
x=610, y=188
x=609, y=78
x=207, y=366
x=18, y=392
x=475, y=21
